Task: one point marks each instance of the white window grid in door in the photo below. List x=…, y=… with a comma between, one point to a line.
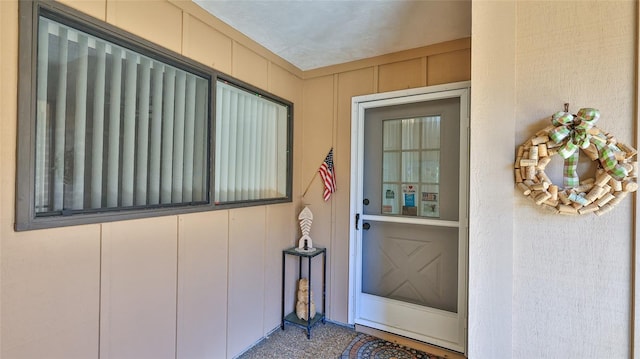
x=411, y=166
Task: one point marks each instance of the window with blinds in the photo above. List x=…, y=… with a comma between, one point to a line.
x=114, y=127
x=252, y=146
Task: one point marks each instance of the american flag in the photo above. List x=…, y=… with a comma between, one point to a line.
x=328, y=176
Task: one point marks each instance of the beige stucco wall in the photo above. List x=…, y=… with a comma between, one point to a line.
x=196, y=285
x=567, y=265
x=491, y=179
x=542, y=285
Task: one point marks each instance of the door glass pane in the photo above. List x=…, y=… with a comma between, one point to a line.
x=391, y=138
x=430, y=166
x=431, y=132
x=411, y=263
x=390, y=198
x=409, y=199
x=430, y=200
x=411, y=133
x=391, y=167
x=411, y=166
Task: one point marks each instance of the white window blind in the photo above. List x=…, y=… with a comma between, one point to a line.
x=115, y=128
x=251, y=146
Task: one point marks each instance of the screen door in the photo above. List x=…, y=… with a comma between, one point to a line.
x=411, y=209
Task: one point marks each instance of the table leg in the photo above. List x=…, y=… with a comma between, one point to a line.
x=324, y=286
x=309, y=301
x=283, y=279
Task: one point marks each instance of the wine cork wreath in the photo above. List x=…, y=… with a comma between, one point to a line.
x=614, y=179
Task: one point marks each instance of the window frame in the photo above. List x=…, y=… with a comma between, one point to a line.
x=250, y=88
x=25, y=215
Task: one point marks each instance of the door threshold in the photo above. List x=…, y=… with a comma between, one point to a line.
x=411, y=343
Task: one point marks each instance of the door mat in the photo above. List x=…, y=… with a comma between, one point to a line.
x=365, y=346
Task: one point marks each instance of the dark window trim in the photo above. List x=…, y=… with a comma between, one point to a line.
x=29, y=13
x=250, y=88
x=25, y=215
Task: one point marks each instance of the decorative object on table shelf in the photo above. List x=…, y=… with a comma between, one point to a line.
x=614, y=179
x=304, y=293
x=305, y=286
x=305, y=244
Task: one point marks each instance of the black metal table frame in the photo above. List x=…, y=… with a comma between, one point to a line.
x=292, y=318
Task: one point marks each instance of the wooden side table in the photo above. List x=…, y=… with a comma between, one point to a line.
x=292, y=317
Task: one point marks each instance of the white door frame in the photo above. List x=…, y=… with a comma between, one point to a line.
x=358, y=106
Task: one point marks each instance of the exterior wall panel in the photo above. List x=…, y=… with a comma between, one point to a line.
x=202, y=285
x=250, y=67
x=50, y=281
x=282, y=231
x=401, y=75
x=160, y=23
x=207, y=45
x=245, y=309
x=95, y=8
x=449, y=67
x=138, y=288
x=352, y=83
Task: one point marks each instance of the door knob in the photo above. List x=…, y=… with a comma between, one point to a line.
x=365, y=201
x=366, y=226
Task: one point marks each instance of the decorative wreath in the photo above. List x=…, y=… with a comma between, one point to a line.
x=614, y=179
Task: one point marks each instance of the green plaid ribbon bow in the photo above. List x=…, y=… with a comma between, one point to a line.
x=575, y=131
x=607, y=156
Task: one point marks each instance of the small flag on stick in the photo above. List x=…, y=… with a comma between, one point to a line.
x=328, y=175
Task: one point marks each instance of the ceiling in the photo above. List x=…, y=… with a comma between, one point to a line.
x=316, y=33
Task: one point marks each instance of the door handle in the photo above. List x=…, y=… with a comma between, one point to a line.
x=357, y=220
x=366, y=226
